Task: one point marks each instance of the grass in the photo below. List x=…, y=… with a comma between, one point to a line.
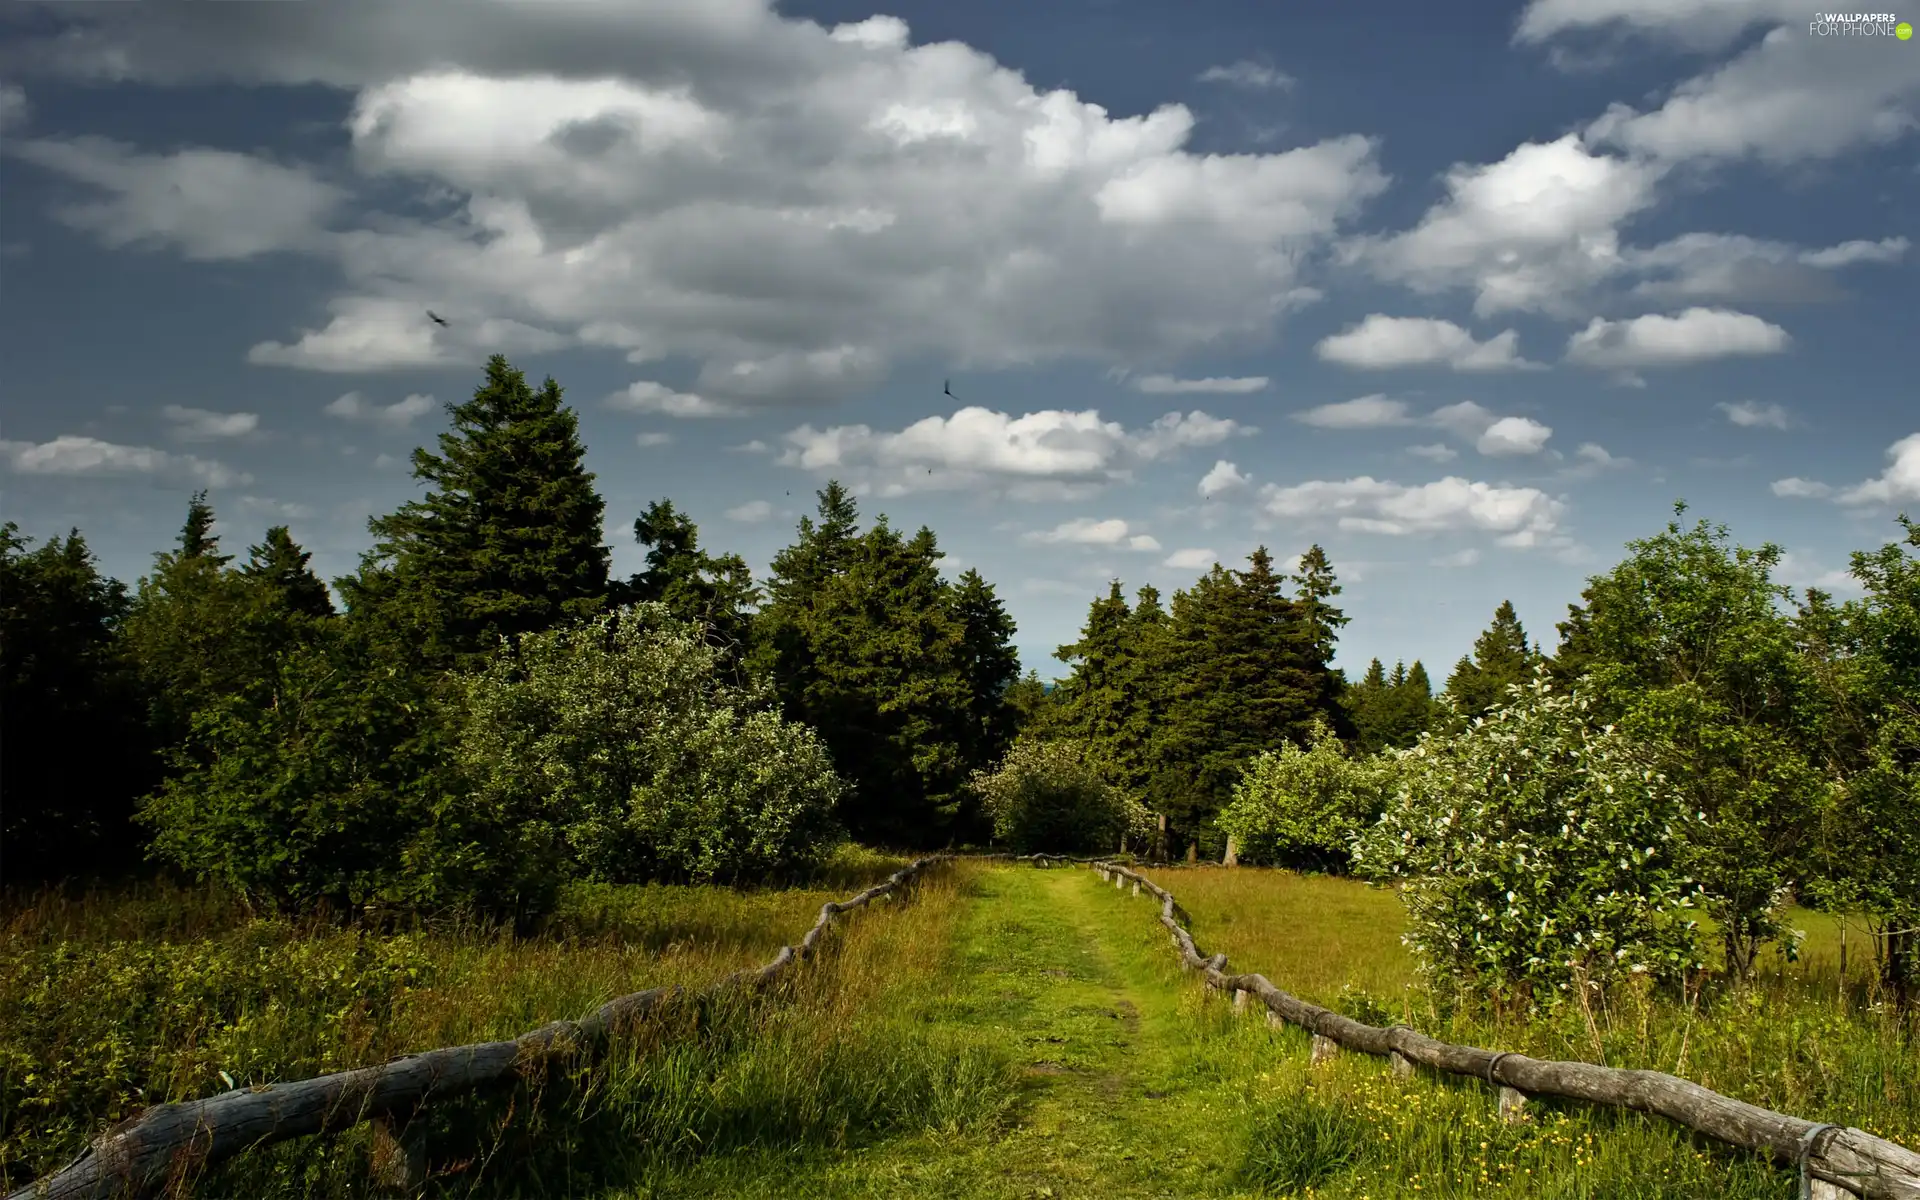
x=1003, y=1032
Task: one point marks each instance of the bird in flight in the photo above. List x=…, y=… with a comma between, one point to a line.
x=437, y=318
x=949, y=389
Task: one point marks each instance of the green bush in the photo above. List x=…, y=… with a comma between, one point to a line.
x=1305, y=806
x=619, y=737
x=1535, y=848
x=1048, y=796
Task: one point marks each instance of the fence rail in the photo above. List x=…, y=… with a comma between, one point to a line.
x=144, y=1153
x=1833, y=1160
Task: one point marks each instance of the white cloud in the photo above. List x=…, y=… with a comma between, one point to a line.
x=1191, y=560
x=1898, y=484
x=1164, y=385
x=1521, y=516
x=1224, y=479
x=206, y=204
x=1699, y=267
x=646, y=396
x=1436, y=451
x=648, y=440
x=1692, y=336
x=1085, y=531
x=977, y=446
x=1250, y=75
x=370, y=333
x=1381, y=341
x=1699, y=24
x=1512, y=436
x=1530, y=233
x=1789, y=98
x=202, y=425
x=1801, y=489
x=751, y=511
x=1362, y=412
x=71, y=454
x=1751, y=414
x=401, y=413
x=822, y=203
x=1593, y=459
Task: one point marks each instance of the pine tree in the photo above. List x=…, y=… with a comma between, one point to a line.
x=197, y=539
x=782, y=630
x=508, y=540
x=1093, y=698
x=991, y=666
x=1365, y=706
x=1316, y=587
x=1502, y=657
x=279, y=563
x=719, y=593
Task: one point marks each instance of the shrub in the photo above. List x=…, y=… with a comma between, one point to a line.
x=1303, y=806
x=619, y=736
x=1535, y=847
x=1049, y=796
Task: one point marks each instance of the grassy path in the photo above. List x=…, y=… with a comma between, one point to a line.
x=1072, y=983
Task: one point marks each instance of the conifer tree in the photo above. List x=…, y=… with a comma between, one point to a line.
x=991, y=666
x=197, y=539
x=508, y=539
x=1501, y=658
x=718, y=592
x=1093, y=698
x=279, y=563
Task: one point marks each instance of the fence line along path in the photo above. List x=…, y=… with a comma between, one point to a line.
x=142, y=1154
x=1833, y=1160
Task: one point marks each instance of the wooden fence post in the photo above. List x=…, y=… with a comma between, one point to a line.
x=1232, y=857
x=1193, y=852
x=1160, y=840
x=1324, y=1048
x=399, y=1158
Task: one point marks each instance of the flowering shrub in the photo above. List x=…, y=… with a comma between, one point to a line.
x=1048, y=796
x=1305, y=806
x=619, y=735
x=1535, y=847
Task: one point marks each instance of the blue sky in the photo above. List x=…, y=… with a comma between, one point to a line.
x=1468, y=294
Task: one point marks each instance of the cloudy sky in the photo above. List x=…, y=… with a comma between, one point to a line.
x=1469, y=294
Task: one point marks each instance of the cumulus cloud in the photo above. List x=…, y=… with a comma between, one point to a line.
x=792, y=206
x=1194, y=559
x=401, y=413
x=1167, y=385
x=1529, y=233
x=71, y=454
x=750, y=512
x=1513, y=435
x=1699, y=24
x=1518, y=516
x=1791, y=97
x=1801, y=489
x=1716, y=266
x=205, y=204
x=1085, y=531
x=1362, y=412
x=205, y=425
x=1250, y=75
x=1223, y=480
x=977, y=446
x=1751, y=414
x=1436, y=451
x=1898, y=484
x=1692, y=336
x=646, y=396
x=1381, y=341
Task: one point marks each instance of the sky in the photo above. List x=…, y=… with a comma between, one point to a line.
x=1467, y=294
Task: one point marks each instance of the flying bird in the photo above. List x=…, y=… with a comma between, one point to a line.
x=437, y=318
x=949, y=389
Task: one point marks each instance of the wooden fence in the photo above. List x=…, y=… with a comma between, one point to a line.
x=1833, y=1161
x=168, y=1141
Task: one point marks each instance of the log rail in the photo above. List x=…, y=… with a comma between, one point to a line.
x=163, y=1143
x=1833, y=1161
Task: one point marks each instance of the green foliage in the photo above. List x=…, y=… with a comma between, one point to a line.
x=716, y=592
x=506, y=542
x=1305, y=806
x=313, y=789
x=1689, y=650
x=1391, y=711
x=1047, y=796
x=1502, y=659
x=1537, y=848
x=614, y=748
x=74, y=750
x=279, y=563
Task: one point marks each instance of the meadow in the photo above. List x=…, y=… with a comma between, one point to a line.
x=1001, y=1032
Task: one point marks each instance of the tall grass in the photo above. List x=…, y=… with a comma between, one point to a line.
x=1798, y=1038
x=109, y=1003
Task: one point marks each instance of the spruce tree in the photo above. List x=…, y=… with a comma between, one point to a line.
x=1502, y=657
x=717, y=592
x=507, y=541
x=279, y=563
x=1315, y=588
x=1364, y=703
x=991, y=666
x=197, y=539
x=1093, y=698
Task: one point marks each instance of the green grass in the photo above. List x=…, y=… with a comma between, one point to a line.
x=1002, y=1032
